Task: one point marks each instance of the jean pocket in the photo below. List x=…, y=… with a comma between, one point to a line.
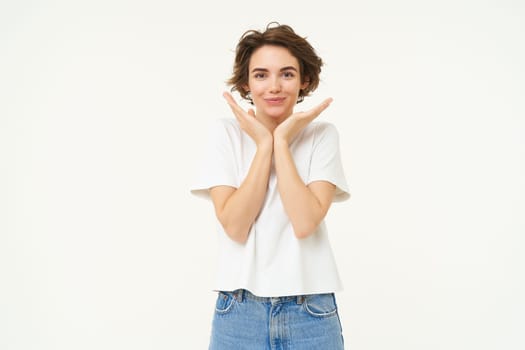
x=320, y=305
x=224, y=303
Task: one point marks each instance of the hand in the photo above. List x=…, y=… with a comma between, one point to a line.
x=249, y=123
x=292, y=125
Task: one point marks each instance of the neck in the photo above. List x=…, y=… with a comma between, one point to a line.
x=270, y=122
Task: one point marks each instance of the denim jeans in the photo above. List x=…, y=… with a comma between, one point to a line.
x=243, y=321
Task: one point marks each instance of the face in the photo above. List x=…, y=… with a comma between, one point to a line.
x=274, y=82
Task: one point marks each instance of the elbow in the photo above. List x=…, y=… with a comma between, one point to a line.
x=305, y=230
x=232, y=228
x=235, y=232
x=238, y=237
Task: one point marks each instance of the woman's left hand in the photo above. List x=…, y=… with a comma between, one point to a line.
x=290, y=127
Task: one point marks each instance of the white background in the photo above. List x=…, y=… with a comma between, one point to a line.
x=102, y=110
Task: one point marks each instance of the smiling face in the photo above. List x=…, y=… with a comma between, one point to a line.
x=274, y=82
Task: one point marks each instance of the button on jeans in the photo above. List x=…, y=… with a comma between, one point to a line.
x=243, y=321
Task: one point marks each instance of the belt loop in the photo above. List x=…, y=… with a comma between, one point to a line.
x=239, y=294
x=300, y=299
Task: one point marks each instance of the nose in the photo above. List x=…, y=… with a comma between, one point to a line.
x=275, y=85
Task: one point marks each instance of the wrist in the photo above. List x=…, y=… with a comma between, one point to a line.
x=280, y=142
x=265, y=146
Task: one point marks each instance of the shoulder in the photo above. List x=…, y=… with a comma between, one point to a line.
x=218, y=128
x=324, y=127
x=321, y=129
x=224, y=124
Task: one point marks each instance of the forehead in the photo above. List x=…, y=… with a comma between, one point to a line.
x=271, y=56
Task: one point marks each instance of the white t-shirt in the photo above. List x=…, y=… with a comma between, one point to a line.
x=273, y=262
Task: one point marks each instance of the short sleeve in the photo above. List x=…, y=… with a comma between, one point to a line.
x=217, y=165
x=326, y=164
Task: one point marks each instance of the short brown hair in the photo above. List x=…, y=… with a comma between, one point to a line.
x=278, y=35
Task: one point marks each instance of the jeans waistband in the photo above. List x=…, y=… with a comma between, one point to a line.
x=241, y=294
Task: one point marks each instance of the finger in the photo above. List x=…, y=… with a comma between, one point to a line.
x=229, y=98
x=236, y=109
x=251, y=112
x=317, y=110
x=323, y=105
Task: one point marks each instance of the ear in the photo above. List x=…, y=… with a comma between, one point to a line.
x=305, y=84
x=246, y=88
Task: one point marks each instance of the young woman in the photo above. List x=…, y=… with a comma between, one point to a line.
x=272, y=175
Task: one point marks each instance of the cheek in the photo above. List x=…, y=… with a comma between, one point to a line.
x=257, y=89
x=293, y=89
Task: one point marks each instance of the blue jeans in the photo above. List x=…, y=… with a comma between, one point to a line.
x=243, y=321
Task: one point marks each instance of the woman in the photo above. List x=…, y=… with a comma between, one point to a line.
x=272, y=175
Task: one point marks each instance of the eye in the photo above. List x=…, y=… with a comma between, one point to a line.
x=288, y=74
x=259, y=75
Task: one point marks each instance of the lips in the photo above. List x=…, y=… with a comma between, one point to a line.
x=274, y=100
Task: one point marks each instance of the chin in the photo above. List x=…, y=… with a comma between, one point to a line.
x=278, y=113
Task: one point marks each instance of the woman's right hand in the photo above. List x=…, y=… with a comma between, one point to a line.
x=249, y=123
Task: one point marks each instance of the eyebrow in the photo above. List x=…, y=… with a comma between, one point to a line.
x=282, y=69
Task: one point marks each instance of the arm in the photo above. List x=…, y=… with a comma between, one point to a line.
x=306, y=206
x=237, y=209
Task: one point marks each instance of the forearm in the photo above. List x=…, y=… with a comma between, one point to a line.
x=303, y=208
x=239, y=211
